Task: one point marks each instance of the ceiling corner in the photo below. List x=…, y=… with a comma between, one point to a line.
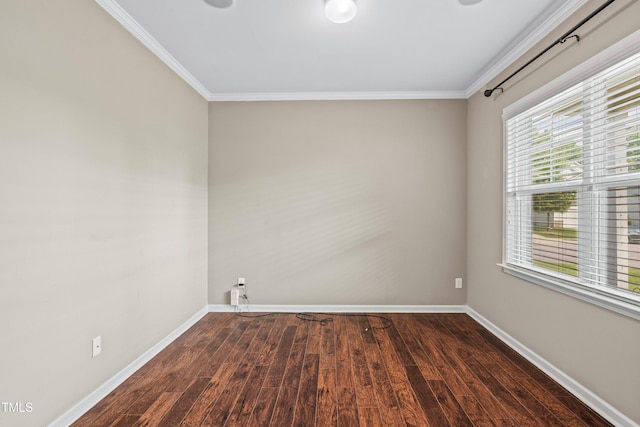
x=538, y=31
x=131, y=25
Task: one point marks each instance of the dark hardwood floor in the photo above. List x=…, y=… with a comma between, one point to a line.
x=278, y=370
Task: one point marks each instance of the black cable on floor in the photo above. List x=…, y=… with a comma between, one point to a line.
x=323, y=321
x=313, y=317
x=251, y=316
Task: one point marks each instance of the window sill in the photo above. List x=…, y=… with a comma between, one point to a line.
x=629, y=307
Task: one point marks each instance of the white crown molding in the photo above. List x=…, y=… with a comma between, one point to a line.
x=538, y=32
x=265, y=308
x=334, y=96
x=131, y=25
x=80, y=408
x=595, y=402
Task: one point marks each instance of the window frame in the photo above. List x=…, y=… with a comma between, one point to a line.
x=619, y=301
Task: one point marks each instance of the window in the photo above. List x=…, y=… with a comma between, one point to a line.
x=572, y=187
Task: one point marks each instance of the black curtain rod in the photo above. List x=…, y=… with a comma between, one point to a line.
x=562, y=39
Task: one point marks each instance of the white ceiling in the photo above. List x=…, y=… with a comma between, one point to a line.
x=287, y=49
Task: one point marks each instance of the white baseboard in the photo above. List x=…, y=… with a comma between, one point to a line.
x=581, y=392
x=101, y=392
x=263, y=308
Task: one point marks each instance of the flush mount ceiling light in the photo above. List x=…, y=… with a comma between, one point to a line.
x=220, y=4
x=469, y=2
x=340, y=11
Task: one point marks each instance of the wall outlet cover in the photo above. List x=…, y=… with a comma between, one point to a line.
x=235, y=297
x=97, y=346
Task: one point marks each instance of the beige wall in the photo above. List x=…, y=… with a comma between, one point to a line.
x=338, y=202
x=598, y=348
x=103, y=200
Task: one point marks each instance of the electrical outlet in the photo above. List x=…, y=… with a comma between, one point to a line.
x=458, y=282
x=235, y=297
x=240, y=282
x=97, y=346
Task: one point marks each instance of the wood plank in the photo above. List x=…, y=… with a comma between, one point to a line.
x=182, y=406
x=158, y=363
x=406, y=358
x=586, y=414
x=220, y=411
x=202, y=359
x=409, y=406
x=478, y=389
x=292, y=319
x=428, y=401
x=109, y=409
x=125, y=421
x=564, y=414
x=386, y=396
x=361, y=376
x=347, y=408
x=155, y=412
x=284, y=410
x=366, y=330
x=343, y=355
x=242, y=346
x=452, y=409
x=263, y=410
x=442, y=356
x=221, y=353
x=517, y=389
x=208, y=397
x=262, y=335
x=438, y=333
x=314, y=337
x=308, y=395
x=414, y=346
x=172, y=371
x=153, y=392
x=506, y=399
x=273, y=341
x=326, y=409
x=500, y=422
x=276, y=371
x=527, y=368
x=302, y=333
x=146, y=389
x=198, y=332
x=474, y=410
x=243, y=408
x=370, y=417
x=328, y=346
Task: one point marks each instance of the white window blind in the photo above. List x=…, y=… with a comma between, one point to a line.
x=572, y=185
